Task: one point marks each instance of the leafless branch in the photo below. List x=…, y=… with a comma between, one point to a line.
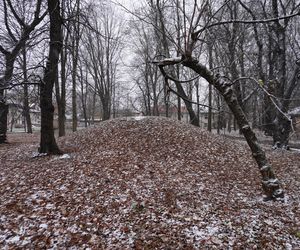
x=11, y=86
x=273, y=100
x=6, y=22
x=19, y=20
x=197, y=33
x=3, y=51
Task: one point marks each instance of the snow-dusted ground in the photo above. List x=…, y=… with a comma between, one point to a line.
x=150, y=183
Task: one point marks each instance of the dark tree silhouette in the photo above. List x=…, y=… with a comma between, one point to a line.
x=48, y=144
x=10, y=55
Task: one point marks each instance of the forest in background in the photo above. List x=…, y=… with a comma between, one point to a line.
x=106, y=66
x=85, y=61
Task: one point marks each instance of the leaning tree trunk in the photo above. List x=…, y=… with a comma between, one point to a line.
x=48, y=144
x=270, y=183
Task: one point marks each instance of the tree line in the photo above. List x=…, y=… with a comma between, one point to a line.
x=84, y=71
x=247, y=52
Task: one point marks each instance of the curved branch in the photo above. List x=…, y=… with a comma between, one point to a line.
x=166, y=77
x=192, y=102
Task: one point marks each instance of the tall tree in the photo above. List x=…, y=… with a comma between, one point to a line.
x=60, y=86
x=17, y=41
x=75, y=39
x=102, y=50
x=277, y=64
x=47, y=143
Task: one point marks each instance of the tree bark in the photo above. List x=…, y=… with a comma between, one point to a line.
x=60, y=93
x=26, y=97
x=62, y=96
x=75, y=54
x=3, y=121
x=209, y=121
x=270, y=183
x=106, y=107
x=194, y=119
x=47, y=143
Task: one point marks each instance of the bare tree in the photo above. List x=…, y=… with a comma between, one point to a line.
x=146, y=75
x=47, y=143
x=60, y=86
x=18, y=32
x=194, y=33
x=102, y=48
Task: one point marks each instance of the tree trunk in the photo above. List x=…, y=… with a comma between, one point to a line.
x=178, y=97
x=281, y=132
x=61, y=105
x=198, y=100
x=47, y=143
x=254, y=118
x=3, y=121
x=209, y=122
x=106, y=110
x=219, y=114
x=27, y=110
x=178, y=54
x=62, y=97
x=270, y=183
x=75, y=54
x=229, y=123
x=9, y=67
x=92, y=117
x=166, y=100
x=194, y=119
x=281, y=124
x=74, y=98
x=84, y=94
x=26, y=100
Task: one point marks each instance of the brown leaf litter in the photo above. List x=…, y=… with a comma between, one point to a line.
x=152, y=183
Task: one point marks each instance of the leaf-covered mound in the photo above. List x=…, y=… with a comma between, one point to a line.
x=152, y=183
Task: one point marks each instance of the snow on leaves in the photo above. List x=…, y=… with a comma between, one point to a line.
x=146, y=183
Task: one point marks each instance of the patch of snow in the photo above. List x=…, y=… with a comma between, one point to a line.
x=13, y=240
x=43, y=226
x=201, y=233
x=38, y=194
x=50, y=206
x=63, y=188
x=36, y=155
x=295, y=111
x=65, y=156
x=62, y=157
x=288, y=246
x=136, y=118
